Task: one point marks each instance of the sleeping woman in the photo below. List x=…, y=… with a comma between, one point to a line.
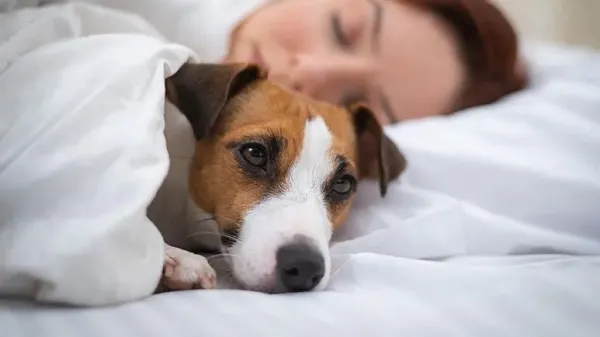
x=406, y=58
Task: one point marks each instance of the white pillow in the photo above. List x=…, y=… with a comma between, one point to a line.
x=82, y=154
x=202, y=25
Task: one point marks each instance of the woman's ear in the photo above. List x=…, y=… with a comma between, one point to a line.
x=201, y=91
x=378, y=156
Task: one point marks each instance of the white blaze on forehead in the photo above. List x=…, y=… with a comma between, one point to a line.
x=299, y=210
x=314, y=165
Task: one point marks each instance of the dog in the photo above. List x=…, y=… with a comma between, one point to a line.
x=273, y=174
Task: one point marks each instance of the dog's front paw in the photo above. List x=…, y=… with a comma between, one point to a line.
x=184, y=270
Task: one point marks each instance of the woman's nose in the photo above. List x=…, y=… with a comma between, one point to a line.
x=322, y=76
x=307, y=75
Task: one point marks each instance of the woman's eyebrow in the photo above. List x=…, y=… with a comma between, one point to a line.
x=376, y=27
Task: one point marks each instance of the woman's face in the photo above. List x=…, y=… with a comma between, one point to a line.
x=400, y=59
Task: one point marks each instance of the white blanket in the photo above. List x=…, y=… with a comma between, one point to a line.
x=82, y=153
x=493, y=231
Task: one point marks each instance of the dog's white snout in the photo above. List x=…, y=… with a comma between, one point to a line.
x=283, y=247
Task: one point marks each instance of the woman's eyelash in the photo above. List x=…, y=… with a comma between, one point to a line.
x=338, y=31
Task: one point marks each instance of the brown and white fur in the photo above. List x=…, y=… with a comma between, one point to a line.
x=274, y=172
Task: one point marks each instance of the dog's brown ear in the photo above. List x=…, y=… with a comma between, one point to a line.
x=378, y=156
x=201, y=90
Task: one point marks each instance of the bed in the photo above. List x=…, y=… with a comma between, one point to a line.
x=494, y=230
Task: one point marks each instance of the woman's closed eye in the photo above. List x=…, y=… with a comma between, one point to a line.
x=340, y=36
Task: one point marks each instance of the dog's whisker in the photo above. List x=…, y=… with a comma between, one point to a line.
x=205, y=219
x=335, y=270
x=231, y=237
x=221, y=255
x=202, y=233
x=228, y=236
x=234, y=238
x=221, y=217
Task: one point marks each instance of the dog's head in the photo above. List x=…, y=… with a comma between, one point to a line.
x=278, y=171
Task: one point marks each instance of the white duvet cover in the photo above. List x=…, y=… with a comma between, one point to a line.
x=494, y=230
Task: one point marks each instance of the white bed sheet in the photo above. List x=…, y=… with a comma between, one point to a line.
x=493, y=231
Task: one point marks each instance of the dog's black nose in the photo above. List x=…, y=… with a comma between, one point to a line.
x=300, y=266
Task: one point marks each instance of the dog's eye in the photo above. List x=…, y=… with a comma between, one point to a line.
x=343, y=185
x=254, y=154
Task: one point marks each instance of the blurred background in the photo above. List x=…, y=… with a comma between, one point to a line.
x=566, y=21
